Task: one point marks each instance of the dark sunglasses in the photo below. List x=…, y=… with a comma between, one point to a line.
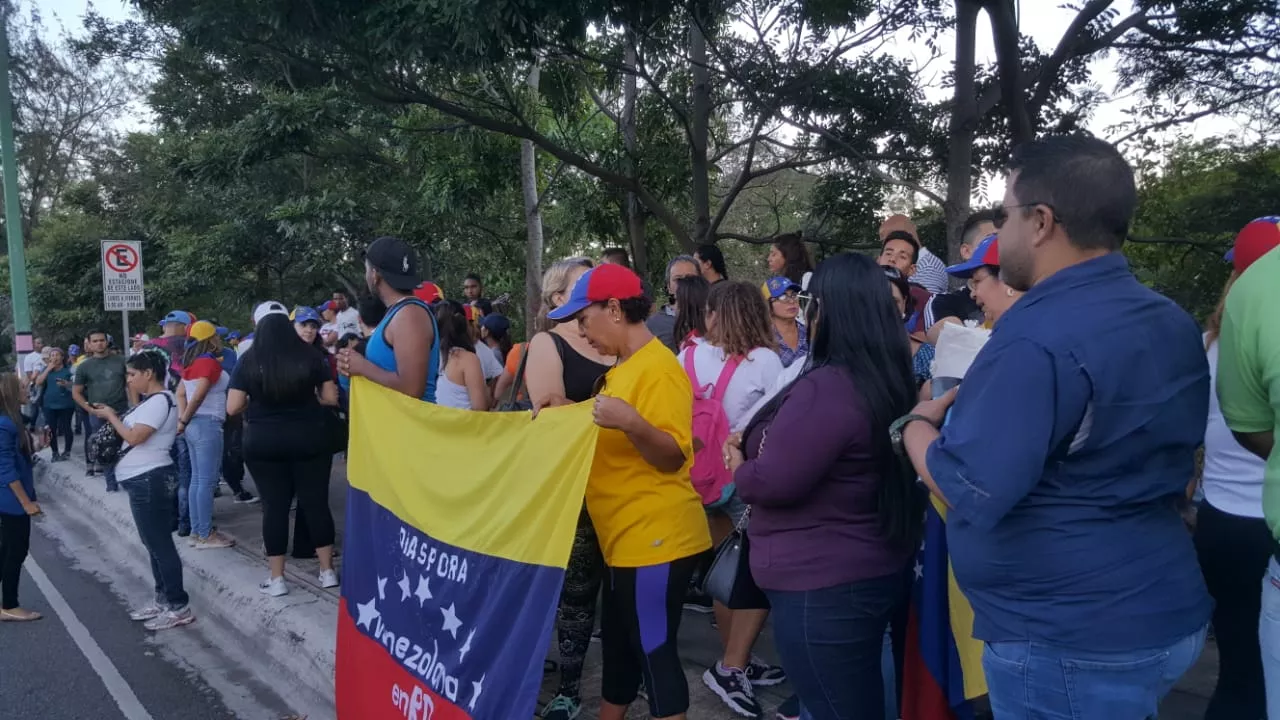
x=1000, y=213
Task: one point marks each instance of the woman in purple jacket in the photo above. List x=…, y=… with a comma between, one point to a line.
x=835, y=513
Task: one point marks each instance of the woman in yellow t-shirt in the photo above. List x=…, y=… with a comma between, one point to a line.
x=652, y=529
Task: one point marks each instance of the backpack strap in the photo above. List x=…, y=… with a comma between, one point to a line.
x=726, y=376
x=689, y=368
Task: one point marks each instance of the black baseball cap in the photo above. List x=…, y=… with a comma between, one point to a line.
x=395, y=261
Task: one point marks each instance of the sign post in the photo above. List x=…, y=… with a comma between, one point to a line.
x=122, y=281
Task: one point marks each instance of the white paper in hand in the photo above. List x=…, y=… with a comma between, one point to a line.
x=957, y=346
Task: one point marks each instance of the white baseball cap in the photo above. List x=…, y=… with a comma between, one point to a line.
x=270, y=307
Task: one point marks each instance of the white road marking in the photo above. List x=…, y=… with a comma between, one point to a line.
x=128, y=702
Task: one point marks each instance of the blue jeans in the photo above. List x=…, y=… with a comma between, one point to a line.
x=204, y=443
x=832, y=645
x=151, y=500
x=182, y=462
x=110, y=471
x=1030, y=681
x=1269, y=637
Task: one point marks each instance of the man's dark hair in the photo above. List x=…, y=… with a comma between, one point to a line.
x=1086, y=182
x=971, y=223
x=342, y=292
x=710, y=253
x=904, y=235
x=620, y=254
x=89, y=335
x=371, y=310
x=473, y=276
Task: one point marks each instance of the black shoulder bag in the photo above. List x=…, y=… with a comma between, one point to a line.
x=106, y=447
x=729, y=579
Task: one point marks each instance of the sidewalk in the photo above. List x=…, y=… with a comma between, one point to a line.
x=295, y=635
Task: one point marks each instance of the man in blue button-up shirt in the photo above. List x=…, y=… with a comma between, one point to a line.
x=1070, y=444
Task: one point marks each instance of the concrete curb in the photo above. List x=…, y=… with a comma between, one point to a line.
x=290, y=640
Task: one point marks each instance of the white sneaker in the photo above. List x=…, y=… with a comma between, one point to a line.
x=170, y=619
x=274, y=587
x=146, y=612
x=328, y=579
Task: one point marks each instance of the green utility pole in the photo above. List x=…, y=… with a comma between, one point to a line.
x=12, y=212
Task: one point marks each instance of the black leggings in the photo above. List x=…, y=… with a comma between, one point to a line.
x=1234, y=552
x=639, y=622
x=279, y=481
x=15, y=541
x=59, y=422
x=576, y=614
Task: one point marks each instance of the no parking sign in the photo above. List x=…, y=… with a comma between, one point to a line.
x=122, y=275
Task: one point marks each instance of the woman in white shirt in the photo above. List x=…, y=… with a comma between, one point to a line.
x=462, y=382
x=1234, y=547
x=147, y=473
x=738, y=326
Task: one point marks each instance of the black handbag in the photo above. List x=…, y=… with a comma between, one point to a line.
x=729, y=580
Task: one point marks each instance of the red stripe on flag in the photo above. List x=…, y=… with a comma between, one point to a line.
x=923, y=698
x=371, y=685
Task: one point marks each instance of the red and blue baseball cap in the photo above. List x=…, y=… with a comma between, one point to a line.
x=987, y=253
x=178, y=316
x=1258, y=238
x=601, y=283
x=776, y=287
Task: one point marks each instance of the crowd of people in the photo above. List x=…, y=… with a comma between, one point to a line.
x=799, y=414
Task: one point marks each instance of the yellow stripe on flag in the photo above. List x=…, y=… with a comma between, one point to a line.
x=476, y=477
x=968, y=649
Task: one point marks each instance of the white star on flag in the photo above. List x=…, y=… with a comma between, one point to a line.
x=424, y=590
x=919, y=571
x=466, y=646
x=404, y=588
x=382, y=588
x=451, y=621
x=476, y=689
x=368, y=613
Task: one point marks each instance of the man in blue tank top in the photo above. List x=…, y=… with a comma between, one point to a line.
x=403, y=352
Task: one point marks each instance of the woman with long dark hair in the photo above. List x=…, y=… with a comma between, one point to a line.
x=202, y=410
x=147, y=472
x=836, y=514
x=921, y=351
x=564, y=367
x=691, y=309
x=17, y=497
x=281, y=384
x=461, y=383
x=789, y=258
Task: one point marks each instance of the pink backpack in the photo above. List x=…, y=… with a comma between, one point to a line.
x=711, y=478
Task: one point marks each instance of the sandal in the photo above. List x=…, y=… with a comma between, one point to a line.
x=19, y=615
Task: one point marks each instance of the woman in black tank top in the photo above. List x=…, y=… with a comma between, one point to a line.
x=559, y=371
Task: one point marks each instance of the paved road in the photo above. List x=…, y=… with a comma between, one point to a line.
x=87, y=661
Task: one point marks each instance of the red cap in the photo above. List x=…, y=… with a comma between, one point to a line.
x=599, y=284
x=1258, y=238
x=428, y=292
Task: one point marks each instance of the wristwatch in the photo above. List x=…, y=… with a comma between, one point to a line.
x=895, y=430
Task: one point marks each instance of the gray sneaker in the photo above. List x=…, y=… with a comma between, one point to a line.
x=146, y=612
x=561, y=708
x=170, y=619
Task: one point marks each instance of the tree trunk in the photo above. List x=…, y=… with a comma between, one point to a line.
x=633, y=212
x=533, y=220
x=700, y=121
x=964, y=125
x=1004, y=30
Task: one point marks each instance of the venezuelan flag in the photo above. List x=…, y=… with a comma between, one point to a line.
x=459, y=525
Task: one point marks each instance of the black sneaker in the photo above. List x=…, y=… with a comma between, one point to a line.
x=790, y=709
x=184, y=530
x=762, y=674
x=734, y=689
x=245, y=498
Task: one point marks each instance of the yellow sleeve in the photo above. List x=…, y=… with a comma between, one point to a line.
x=665, y=401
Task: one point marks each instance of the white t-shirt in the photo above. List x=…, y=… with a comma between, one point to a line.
x=154, y=451
x=33, y=363
x=754, y=378
x=1232, y=475
x=348, y=321
x=215, y=401
x=489, y=364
